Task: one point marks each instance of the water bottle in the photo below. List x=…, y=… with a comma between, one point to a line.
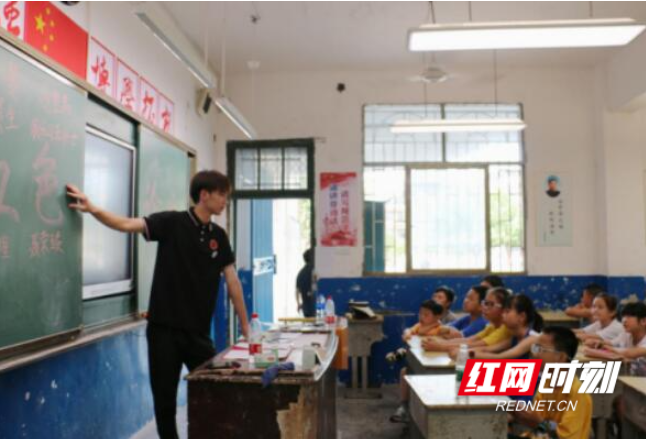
x=255, y=336
x=320, y=309
x=330, y=316
x=460, y=365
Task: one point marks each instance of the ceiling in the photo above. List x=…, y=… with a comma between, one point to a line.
x=370, y=36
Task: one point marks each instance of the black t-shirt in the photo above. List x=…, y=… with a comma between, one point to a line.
x=190, y=259
x=304, y=286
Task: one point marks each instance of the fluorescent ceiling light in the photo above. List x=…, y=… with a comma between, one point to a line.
x=524, y=35
x=457, y=125
x=232, y=112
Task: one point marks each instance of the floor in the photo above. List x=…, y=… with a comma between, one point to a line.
x=356, y=418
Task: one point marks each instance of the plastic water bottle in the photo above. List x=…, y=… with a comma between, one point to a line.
x=320, y=309
x=460, y=365
x=255, y=336
x=330, y=315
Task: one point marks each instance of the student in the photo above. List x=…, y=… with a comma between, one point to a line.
x=492, y=281
x=473, y=322
x=304, y=294
x=430, y=314
x=493, y=333
x=524, y=324
x=583, y=309
x=605, y=326
x=444, y=296
x=631, y=344
x=558, y=344
x=193, y=252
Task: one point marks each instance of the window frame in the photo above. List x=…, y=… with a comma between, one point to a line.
x=445, y=164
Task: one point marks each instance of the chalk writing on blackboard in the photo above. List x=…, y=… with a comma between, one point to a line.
x=43, y=243
x=55, y=103
x=5, y=172
x=47, y=183
x=4, y=247
x=151, y=199
x=7, y=117
x=52, y=133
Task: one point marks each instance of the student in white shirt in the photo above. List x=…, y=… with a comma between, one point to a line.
x=630, y=344
x=605, y=326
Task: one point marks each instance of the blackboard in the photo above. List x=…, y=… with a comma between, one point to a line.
x=164, y=174
x=42, y=135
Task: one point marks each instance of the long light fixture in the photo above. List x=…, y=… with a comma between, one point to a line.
x=457, y=125
x=525, y=34
x=235, y=116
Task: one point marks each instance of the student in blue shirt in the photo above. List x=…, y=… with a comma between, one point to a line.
x=473, y=322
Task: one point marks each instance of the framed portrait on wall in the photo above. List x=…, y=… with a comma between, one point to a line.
x=555, y=210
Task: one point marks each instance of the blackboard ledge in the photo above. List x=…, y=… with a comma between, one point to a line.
x=80, y=339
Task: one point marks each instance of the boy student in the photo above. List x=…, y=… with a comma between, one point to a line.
x=430, y=313
x=583, y=309
x=193, y=252
x=473, y=322
x=605, y=326
x=495, y=332
x=558, y=344
x=444, y=296
x=492, y=281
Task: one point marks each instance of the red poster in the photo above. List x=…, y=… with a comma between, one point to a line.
x=148, y=102
x=101, y=68
x=12, y=18
x=57, y=36
x=166, y=114
x=338, y=194
x=127, y=86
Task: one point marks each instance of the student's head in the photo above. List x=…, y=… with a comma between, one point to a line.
x=430, y=312
x=211, y=189
x=494, y=304
x=604, y=308
x=491, y=281
x=307, y=256
x=520, y=312
x=633, y=317
x=444, y=296
x=589, y=292
x=556, y=344
x=473, y=299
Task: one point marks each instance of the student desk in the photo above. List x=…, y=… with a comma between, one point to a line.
x=558, y=317
x=438, y=412
x=362, y=334
x=298, y=404
x=428, y=362
x=634, y=392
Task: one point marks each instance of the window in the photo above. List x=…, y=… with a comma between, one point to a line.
x=442, y=202
x=109, y=180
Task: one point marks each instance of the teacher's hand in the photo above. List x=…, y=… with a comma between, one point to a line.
x=82, y=201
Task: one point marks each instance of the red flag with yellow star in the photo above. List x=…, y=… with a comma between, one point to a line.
x=56, y=35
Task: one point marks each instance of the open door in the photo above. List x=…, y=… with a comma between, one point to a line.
x=262, y=257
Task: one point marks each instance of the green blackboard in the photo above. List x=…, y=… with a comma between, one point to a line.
x=42, y=135
x=163, y=185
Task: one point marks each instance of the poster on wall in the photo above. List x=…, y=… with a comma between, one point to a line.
x=12, y=18
x=127, y=86
x=338, y=192
x=166, y=114
x=101, y=68
x=555, y=210
x=148, y=102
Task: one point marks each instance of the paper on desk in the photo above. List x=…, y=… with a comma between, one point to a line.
x=243, y=354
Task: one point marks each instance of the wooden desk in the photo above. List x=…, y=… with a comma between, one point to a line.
x=438, y=412
x=634, y=393
x=428, y=362
x=233, y=404
x=558, y=317
x=362, y=334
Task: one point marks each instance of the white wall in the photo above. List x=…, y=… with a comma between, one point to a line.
x=559, y=109
x=114, y=25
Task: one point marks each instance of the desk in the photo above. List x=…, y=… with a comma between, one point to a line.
x=558, y=317
x=428, y=362
x=362, y=333
x=298, y=404
x=439, y=413
x=634, y=392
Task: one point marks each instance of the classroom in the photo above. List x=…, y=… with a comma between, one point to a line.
x=322, y=219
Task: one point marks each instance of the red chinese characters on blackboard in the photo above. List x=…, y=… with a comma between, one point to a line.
x=47, y=182
x=5, y=172
x=4, y=247
x=44, y=243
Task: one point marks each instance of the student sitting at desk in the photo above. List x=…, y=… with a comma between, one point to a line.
x=492, y=281
x=605, y=326
x=473, y=322
x=629, y=345
x=524, y=323
x=493, y=333
x=583, y=310
x=444, y=296
x=558, y=344
x=430, y=313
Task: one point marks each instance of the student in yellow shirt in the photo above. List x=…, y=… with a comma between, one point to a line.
x=558, y=344
x=430, y=315
x=494, y=333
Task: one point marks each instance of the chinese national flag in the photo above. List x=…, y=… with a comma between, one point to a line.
x=56, y=35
